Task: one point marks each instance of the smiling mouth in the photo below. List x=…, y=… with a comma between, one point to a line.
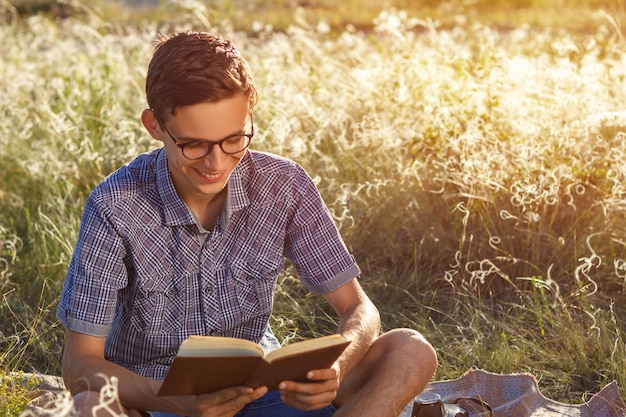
x=210, y=176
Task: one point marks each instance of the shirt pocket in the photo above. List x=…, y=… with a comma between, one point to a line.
x=253, y=288
x=160, y=305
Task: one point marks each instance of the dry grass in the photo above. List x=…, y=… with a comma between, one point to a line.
x=476, y=173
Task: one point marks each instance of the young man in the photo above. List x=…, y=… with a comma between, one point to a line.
x=189, y=239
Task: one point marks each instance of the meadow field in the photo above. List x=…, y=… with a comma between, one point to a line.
x=472, y=153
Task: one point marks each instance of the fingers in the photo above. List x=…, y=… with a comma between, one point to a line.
x=318, y=393
x=238, y=397
x=227, y=395
x=228, y=401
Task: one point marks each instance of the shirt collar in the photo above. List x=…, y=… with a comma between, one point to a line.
x=237, y=192
x=175, y=210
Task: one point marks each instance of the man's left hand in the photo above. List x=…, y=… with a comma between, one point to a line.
x=318, y=392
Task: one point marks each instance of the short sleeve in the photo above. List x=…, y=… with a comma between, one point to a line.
x=313, y=242
x=89, y=298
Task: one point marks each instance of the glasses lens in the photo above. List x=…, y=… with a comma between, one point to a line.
x=198, y=150
x=235, y=144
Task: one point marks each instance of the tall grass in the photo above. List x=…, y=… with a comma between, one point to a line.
x=477, y=174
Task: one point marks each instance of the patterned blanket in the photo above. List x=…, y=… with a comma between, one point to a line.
x=518, y=395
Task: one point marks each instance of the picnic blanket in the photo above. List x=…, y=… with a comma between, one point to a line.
x=518, y=395
x=513, y=395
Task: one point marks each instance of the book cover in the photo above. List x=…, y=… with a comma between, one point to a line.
x=207, y=364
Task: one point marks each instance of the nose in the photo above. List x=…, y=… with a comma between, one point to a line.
x=215, y=155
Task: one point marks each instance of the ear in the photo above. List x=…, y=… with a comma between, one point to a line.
x=151, y=123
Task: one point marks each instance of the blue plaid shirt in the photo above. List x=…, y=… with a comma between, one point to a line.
x=145, y=275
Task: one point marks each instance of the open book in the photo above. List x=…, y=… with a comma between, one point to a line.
x=207, y=364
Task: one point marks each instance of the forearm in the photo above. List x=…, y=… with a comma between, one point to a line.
x=361, y=326
x=93, y=374
x=84, y=368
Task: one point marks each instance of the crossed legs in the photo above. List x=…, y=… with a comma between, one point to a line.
x=397, y=367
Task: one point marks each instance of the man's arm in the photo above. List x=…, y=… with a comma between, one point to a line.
x=84, y=369
x=359, y=321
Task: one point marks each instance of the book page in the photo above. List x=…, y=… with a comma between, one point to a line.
x=306, y=345
x=196, y=346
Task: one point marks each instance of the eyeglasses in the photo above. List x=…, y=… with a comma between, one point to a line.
x=198, y=149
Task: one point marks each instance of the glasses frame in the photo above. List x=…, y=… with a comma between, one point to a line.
x=210, y=143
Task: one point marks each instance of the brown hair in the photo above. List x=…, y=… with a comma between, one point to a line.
x=194, y=67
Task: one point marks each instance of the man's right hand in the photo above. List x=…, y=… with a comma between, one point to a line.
x=223, y=403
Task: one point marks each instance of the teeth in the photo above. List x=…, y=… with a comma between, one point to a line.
x=209, y=175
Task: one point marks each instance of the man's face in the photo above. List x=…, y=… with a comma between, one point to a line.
x=203, y=179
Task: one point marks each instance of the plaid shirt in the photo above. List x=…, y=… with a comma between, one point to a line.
x=146, y=275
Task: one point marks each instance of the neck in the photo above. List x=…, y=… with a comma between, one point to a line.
x=208, y=211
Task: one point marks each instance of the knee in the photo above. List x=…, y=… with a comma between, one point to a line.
x=87, y=398
x=85, y=401
x=412, y=350
x=88, y=403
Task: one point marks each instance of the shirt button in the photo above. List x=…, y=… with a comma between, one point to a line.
x=208, y=289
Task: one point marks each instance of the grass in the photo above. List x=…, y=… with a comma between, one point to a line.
x=474, y=161
x=15, y=392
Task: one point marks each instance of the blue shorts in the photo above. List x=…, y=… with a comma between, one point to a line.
x=270, y=405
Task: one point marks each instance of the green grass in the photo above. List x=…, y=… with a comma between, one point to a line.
x=15, y=391
x=473, y=157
